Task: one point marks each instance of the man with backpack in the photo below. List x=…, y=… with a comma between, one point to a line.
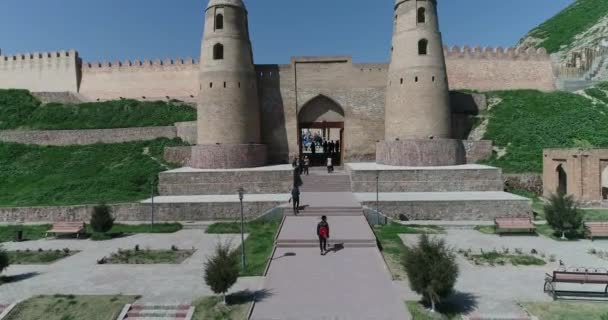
x=295, y=197
x=323, y=234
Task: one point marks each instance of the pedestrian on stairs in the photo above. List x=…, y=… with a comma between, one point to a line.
x=306, y=165
x=295, y=198
x=330, y=165
x=323, y=234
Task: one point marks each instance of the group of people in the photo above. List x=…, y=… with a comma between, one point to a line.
x=302, y=165
x=328, y=147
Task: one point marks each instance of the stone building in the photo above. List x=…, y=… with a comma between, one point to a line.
x=582, y=173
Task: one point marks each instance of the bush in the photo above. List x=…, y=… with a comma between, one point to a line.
x=432, y=269
x=222, y=269
x=4, y=261
x=563, y=215
x=101, y=219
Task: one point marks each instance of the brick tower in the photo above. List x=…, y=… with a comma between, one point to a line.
x=418, y=117
x=228, y=106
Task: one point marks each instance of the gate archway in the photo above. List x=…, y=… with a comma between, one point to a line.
x=562, y=180
x=321, y=122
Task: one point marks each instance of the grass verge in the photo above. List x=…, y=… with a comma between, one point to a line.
x=212, y=308
x=69, y=307
x=495, y=258
x=146, y=256
x=259, y=243
x=120, y=230
x=30, y=232
x=38, y=257
x=393, y=248
x=561, y=310
x=419, y=312
x=72, y=175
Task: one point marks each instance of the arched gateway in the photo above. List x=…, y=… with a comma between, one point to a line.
x=321, y=121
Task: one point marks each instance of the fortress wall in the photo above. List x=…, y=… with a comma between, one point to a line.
x=40, y=71
x=499, y=69
x=154, y=80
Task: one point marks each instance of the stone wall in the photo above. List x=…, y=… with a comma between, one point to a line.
x=187, y=131
x=139, y=212
x=41, y=71
x=530, y=182
x=84, y=137
x=478, y=150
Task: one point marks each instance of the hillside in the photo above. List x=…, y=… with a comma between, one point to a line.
x=522, y=123
x=20, y=110
x=39, y=176
x=582, y=24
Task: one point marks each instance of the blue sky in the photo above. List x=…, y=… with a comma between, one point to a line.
x=138, y=29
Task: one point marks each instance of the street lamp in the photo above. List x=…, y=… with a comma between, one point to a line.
x=241, y=195
x=378, y=196
x=152, y=199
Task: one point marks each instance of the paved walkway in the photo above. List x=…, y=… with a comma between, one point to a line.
x=80, y=274
x=348, y=284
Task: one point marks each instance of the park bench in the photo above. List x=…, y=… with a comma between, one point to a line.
x=67, y=228
x=504, y=225
x=582, y=276
x=596, y=229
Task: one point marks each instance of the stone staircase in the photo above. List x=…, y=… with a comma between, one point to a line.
x=326, y=211
x=157, y=312
x=319, y=181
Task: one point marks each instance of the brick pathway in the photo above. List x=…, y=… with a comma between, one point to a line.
x=350, y=283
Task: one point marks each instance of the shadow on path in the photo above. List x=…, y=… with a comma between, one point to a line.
x=247, y=296
x=287, y=254
x=458, y=303
x=17, y=278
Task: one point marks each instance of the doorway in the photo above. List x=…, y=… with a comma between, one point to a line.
x=562, y=180
x=321, y=131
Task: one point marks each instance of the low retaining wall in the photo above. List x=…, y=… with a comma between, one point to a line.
x=85, y=137
x=139, y=212
x=531, y=182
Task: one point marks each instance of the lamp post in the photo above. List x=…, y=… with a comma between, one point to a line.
x=152, y=201
x=241, y=195
x=378, y=196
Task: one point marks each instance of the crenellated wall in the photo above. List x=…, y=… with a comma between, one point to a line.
x=488, y=69
x=41, y=71
x=147, y=80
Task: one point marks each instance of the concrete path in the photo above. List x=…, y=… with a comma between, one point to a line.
x=346, y=284
x=80, y=274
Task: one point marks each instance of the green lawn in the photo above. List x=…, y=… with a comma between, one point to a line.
x=562, y=28
x=496, y=258
x=20, y=110
x=69, y=307
x=145, y=256
x=393, y=248
x=212, y=308
x=121, y=229
x=30, y=232
x=561, y=310
x=527, y=121
x=259, y=244
x=38, y=256
x=112, y=173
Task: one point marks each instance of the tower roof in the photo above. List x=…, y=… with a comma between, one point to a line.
x=234, y=3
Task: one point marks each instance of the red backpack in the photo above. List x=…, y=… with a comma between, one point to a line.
x=324, y=231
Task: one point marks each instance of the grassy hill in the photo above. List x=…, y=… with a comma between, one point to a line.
x=20, y=110
x=560, y=32
x=37, y=176
x=522, y=123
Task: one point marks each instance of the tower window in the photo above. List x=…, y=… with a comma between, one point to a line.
x=218, y=52
x=416, y=79
x=433, y=78
x=423, y=47
x=401, y=80
x=210, y=84
x=219, y=21
x=421, y=15
x=224, y=84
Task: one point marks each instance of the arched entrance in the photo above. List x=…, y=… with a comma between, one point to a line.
x=605, y=184
x=562, y=180
x=321, y=131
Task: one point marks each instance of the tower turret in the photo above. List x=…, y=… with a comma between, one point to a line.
x=228, y=106
x=418, y=116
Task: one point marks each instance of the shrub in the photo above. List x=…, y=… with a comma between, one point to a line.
x=222, y=269
x=432, y=269
x=101, y=219
x=4, y=261
x=563, y=214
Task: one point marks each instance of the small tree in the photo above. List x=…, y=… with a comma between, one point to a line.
x=563, y=214
x=101, y=219
x=432, y=269
x=4, y=262
x=222, y=269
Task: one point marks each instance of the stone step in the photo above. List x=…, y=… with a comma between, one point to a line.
x=330, y=243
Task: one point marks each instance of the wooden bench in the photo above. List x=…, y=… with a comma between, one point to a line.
x=596, y=229
x=578, y=276
x=504, y=225
x=67, y=228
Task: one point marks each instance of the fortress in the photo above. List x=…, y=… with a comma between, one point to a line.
x=285, y=96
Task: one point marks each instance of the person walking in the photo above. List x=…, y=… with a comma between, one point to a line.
x=330, y=166
x=338, y=146
x=331, y=146
x=306, y=164
x=295, y=199
x=313, y=147
x=323, y=234
x=325, y=147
